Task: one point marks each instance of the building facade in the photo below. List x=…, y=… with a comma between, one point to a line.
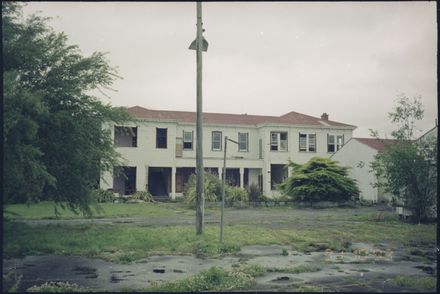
x=159, y=149
x=358, y=154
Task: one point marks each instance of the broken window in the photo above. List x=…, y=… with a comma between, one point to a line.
x=216, y=141
x=334, y=142
x=161, y=138
x=243, y=141
x=278, y=141
x=125, y=136
x=187, y=140
x=307, y=142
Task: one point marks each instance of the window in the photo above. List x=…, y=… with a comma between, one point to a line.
x=302, y=142
x=307, y=142
x=312, y=142
x=161, y=138
x=278, y=141
x=243, y=142
x=274, y=141
x=216, y=141
x=334, y=142
x=125, y=136
x=187, y=140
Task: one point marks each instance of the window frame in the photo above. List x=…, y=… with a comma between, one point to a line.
x=213, y=133
x=123, y=129
x=246, y=142
x=192, y=140
x=308, y=146
x=337, y=144
x=299, y=142
x=279, y=141
x=157, y=138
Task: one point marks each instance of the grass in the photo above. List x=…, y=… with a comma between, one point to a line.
x=416, y=282
x=296, y=270
x=58, y=287
x=213, y=279
x=45, y=210
x=127, y=242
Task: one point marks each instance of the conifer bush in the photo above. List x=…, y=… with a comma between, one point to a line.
x=320, y=179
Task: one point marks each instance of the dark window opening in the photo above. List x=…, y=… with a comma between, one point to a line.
x=161, y=138
x=125, y=182
x=278, y=174
x=233, y=177
x=159, y=181
x=125, y=136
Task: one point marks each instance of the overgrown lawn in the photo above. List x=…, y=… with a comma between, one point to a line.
x=127, y=242
x=46, y=210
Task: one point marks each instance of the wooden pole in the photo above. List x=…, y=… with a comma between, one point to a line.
x=200, y=199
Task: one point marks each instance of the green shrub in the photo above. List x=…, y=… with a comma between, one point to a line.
x=235, y=194
x=254, y=192
x=212, y=189
x=58, y=287
x=141, y=195
x=213, y=279
x=254, y=270
x=103, y=196
x=320, y=179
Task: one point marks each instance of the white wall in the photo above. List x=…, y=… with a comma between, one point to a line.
x=147, y=155
x=350, y=155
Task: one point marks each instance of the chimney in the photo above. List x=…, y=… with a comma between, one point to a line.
x=324, y=116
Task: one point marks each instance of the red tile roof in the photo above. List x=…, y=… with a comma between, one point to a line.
x=378, y=144
x=292, y=117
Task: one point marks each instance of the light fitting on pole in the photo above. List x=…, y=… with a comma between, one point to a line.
x=193, y=45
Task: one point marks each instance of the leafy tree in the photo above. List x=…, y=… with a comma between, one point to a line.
x=213, y=190
x=319, y=179
x=55, y=145
x=408, y=167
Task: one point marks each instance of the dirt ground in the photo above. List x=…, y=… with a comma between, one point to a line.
x=338, y=271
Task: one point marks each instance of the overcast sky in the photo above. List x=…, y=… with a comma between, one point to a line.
x=349, y=59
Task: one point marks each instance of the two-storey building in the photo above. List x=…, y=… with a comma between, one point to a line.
x=160, y=155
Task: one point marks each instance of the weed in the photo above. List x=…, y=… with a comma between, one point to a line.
x=254, y=270
x=416, y=282
x=296, y=270
x=284, y=252
x=11, y=281
x=310, y=288
x=213, y=279
x=58, y=287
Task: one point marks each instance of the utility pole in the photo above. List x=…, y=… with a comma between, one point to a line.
x=199, y=44
x=223, y=190
x=223, y=187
